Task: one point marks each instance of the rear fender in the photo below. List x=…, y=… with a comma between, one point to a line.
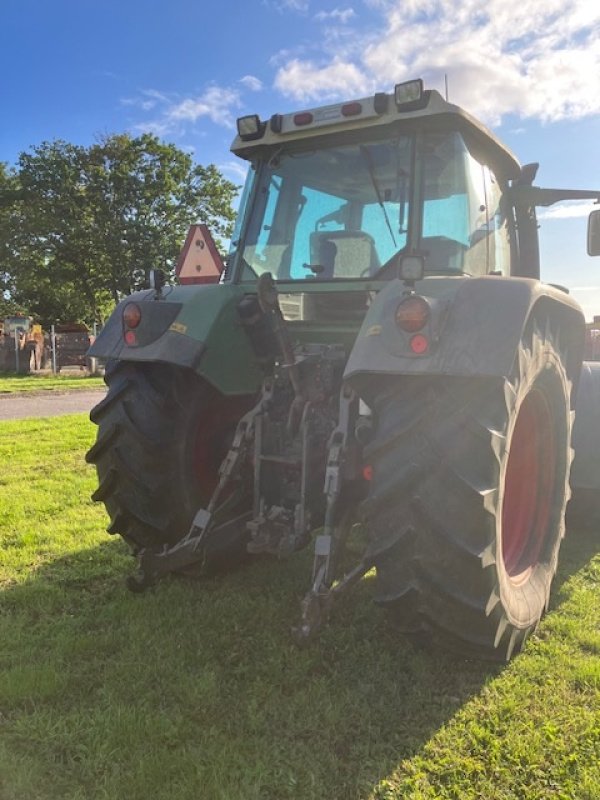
x=476, y=327
x=189, y=326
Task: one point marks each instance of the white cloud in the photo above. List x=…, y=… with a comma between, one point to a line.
x=300, y=6
x=342, y=15
x=154, y=94
x=252, y=83
x=304, y=81
x=216, y=103
x=138, y=102
x=285, y=55
x=106, y=73
x=505, y=56
x=146, y=100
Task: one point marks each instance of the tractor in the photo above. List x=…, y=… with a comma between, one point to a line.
x=375, y=368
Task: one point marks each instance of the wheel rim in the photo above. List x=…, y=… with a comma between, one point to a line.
x=528, y=487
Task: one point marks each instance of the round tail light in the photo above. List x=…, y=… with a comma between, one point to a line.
x=413, y=314
x=132, y=315
x=419, y=344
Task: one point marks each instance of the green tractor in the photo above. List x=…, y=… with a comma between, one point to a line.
x=377, y=357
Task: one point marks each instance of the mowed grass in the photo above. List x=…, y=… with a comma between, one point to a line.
x=35, y=383
x=195, y=690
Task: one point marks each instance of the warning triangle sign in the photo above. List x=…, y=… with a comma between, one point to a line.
x=199, y=261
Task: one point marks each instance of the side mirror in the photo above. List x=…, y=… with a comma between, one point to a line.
x=157, y=279
x=593, y=234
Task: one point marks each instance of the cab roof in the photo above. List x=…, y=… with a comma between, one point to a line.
x=369, y=114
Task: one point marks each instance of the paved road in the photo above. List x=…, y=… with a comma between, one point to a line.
x=50, y=404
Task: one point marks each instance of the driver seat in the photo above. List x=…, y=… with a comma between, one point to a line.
x=343, y=254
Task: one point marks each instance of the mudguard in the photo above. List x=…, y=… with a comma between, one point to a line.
x=189, y=326
x=474, y=331
x=585, y=472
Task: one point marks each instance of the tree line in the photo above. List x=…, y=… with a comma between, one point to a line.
x=81, y=226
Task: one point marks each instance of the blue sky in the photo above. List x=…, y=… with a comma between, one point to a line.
x=530, y=69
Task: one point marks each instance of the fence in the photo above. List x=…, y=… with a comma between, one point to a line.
x=65, y=346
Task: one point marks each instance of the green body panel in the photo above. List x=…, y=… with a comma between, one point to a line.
x=202, y=332
x=209, y=314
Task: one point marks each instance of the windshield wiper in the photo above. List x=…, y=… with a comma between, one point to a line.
x=369, y=162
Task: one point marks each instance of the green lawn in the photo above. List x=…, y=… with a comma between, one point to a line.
x=18, y=384
x=195, y=691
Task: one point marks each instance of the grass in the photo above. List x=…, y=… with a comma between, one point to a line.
x=194, y=690
x=35, y=383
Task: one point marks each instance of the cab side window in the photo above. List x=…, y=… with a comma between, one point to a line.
x=499, y=245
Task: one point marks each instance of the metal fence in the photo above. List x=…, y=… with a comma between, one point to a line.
x=24, y=351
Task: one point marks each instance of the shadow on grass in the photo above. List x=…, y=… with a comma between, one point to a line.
x=195, y=690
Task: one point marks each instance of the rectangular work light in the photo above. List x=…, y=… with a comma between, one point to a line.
x=411, y=267
x=250, y=127
x=408, y=93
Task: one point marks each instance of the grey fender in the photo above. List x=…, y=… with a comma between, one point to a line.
x=585, y=472
x=475, y=330
x=155, y=340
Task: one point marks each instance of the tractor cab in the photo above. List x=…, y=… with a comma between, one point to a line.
x=342, y=193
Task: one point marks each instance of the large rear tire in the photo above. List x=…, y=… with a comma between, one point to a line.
x=467, y=500
x=162, y=433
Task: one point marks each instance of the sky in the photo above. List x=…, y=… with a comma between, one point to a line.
x=185, y=69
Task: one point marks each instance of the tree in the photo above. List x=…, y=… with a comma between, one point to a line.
x=82, y=226
x=8, y=195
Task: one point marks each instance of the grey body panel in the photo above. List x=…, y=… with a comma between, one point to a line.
x=585, y=472
x=156, y=341
x=475, y=330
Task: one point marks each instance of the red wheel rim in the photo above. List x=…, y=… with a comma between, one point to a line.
x=528, y=487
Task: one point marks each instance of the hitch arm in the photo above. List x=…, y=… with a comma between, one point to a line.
x=329, y=546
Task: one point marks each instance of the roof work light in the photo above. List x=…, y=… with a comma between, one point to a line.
x=408, y=93
x=250, y=127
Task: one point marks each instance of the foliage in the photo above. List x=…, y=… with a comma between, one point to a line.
x=8, y=193
x=81, y=226
x=194, y=690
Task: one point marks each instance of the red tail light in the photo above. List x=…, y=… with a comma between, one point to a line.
x=351, y=109
x=132, y=315
x=419, y=344
x=413, y=314
x=304, y=118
